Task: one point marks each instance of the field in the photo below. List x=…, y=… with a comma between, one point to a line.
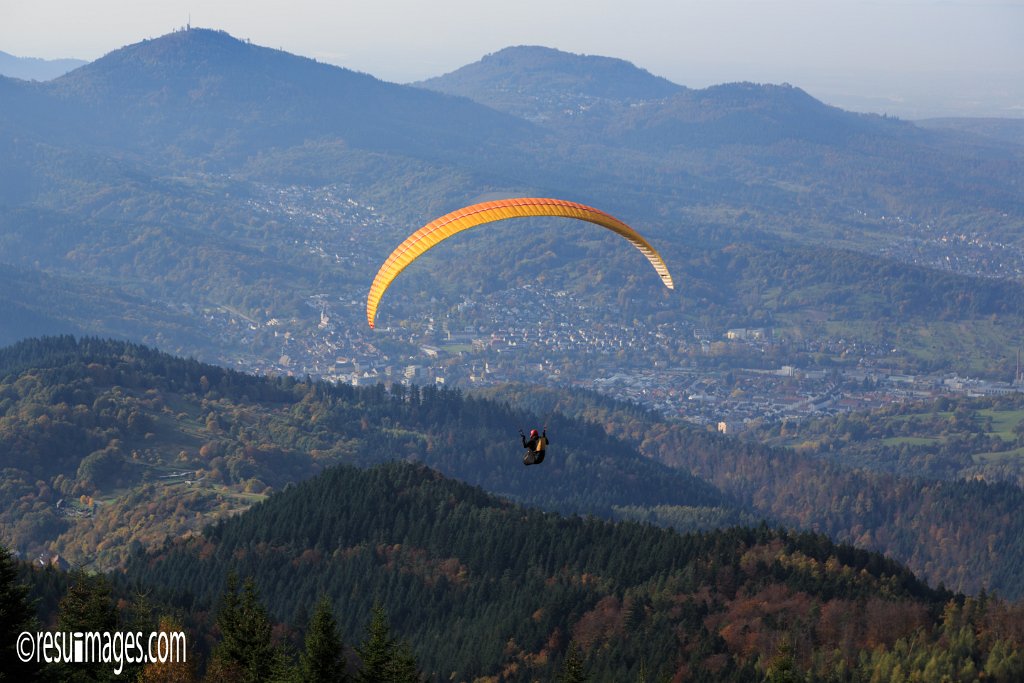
x=952, y=438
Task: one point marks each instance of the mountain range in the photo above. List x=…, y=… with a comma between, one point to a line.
x=628, y=106
x=149, y=174
x=35, y=69
x=202, y=95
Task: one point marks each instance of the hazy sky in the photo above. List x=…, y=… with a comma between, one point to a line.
x=904, y=57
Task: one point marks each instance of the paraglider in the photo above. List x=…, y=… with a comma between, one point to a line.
x=535, y=446
x=475, y=215
x=468, y=217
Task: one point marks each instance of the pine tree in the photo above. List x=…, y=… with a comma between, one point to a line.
x=324, y=658
x=245, y=652
x=139, y=619
x=572, y=668
x=403, y=667
x=641, y=676
x=384, y=659
x=377, y=651
x=88, y=606
x=16, y=616
x=783, y=668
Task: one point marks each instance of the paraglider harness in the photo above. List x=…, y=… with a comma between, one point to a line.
x=534, y=447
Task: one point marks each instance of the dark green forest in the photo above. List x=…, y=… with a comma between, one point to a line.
x=509, y=587
x=452, y=583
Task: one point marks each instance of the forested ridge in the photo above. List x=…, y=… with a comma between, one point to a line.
x=968, y=535
x=481, y=587
x=397, y=573
x=107, y=445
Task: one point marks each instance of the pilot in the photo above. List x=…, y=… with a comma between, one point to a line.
x=534, y=446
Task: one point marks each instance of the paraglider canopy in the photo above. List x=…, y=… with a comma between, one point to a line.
x=468, y=217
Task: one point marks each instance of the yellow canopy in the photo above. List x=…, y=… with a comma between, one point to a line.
x=488, y=212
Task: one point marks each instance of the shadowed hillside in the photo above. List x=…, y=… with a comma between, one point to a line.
x=107, y=446
x=483, y=588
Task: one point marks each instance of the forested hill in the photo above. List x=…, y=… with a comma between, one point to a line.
x=541, y=83
x=107, y=445
x=481, y=587
x=965, y=534
x=613, y=100
x=199, y=92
